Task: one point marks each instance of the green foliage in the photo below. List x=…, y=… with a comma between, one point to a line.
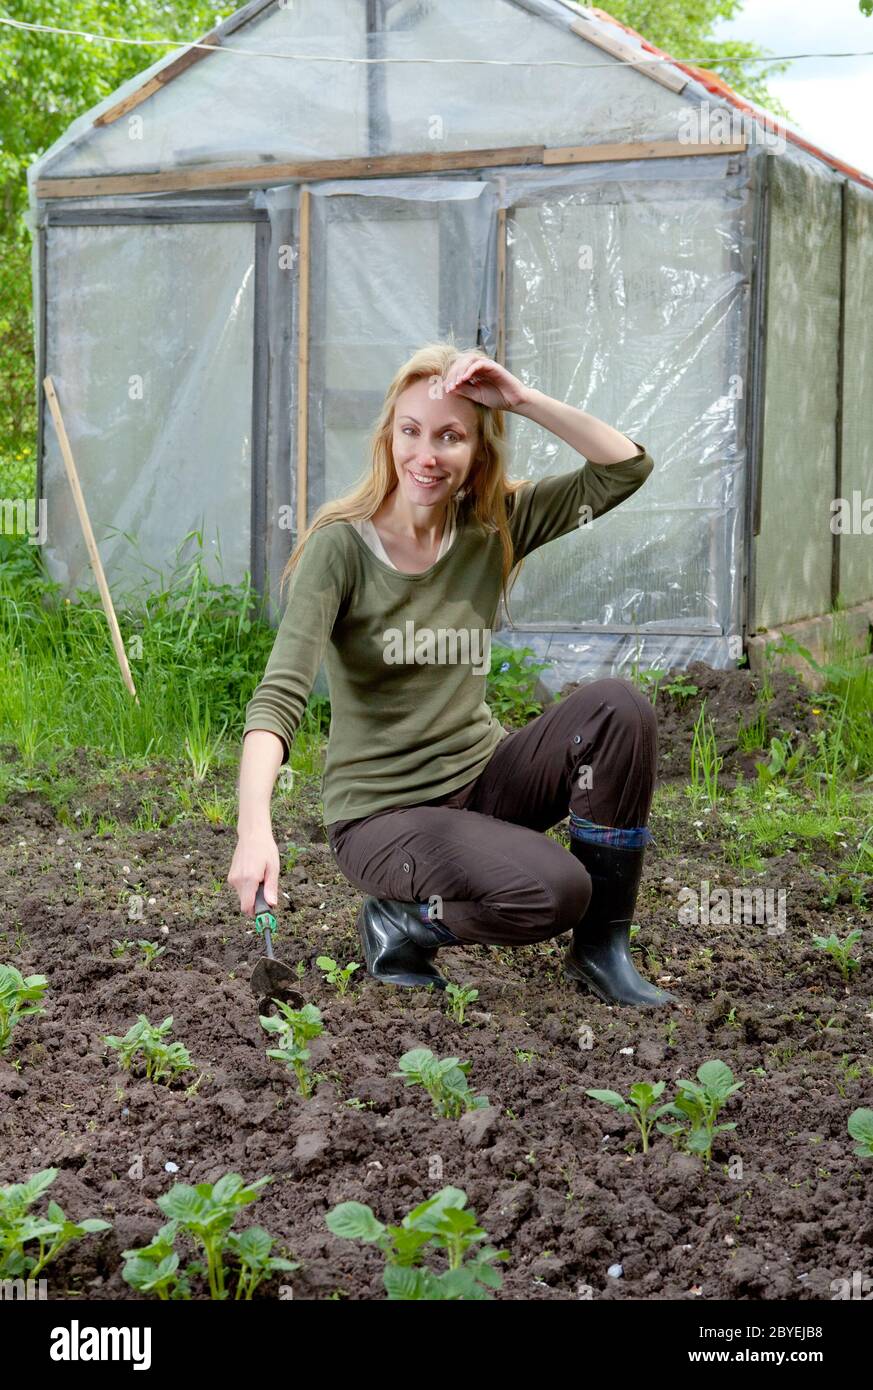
x=753, y=735
x=444, y=1079
x=293, y=1028
x=641, y=1099
x=164, y=1061
x=860, y=1126
x=150, y=952
x=697, y=1107
x=512, y=682
x=201, y=744
x=336, y=976
x=840, y=950
x=648, y=682
x=59, y=681
x=459, y=997
x=782, y=762
x=20, y=998
x=19, y=1227
x=706, y=761
x=440, y=1223
x=683, y=28
x=205, y=1213
x=681, y=689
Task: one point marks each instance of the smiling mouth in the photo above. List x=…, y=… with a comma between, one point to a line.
x=425, y=482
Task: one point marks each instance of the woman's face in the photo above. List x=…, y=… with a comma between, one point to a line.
x=434, y=443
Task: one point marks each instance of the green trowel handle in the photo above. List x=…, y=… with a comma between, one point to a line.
x=265, y=918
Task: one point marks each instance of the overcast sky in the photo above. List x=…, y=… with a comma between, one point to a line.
x=830, y=99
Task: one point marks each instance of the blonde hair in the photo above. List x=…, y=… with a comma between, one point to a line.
x=484, y=494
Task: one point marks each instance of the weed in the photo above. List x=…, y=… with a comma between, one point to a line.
x=782, y=763
x=753, y=735
x=442, y=1223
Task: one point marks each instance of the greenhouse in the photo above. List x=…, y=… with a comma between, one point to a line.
x=235, y=251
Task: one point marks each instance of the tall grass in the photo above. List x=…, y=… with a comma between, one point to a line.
x=197, y=649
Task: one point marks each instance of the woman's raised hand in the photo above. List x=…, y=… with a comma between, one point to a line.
x=485, y=381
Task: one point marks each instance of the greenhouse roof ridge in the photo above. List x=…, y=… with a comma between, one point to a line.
x=718, y=87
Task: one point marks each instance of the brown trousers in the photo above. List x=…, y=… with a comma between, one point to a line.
x=479, y=856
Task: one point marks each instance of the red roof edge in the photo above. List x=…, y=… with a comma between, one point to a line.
x=719, y=87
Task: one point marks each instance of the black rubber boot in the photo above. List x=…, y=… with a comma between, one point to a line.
x=600, y=954
x=398, y=945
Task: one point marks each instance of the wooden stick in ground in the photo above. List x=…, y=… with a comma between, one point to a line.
x=85, y=521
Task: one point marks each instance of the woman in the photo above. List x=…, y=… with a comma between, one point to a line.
x=432, y=809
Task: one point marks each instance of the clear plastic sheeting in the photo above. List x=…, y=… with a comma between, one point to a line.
x=856, y=547
x=793, y=550
x=149, y=343
x=228, y=110
x=593, y=655
x=395, y=263
x=627, y=297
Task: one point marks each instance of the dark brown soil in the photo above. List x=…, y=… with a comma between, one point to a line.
x=553, y=1176
x=732, y=701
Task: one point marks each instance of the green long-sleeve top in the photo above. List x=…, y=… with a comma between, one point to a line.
x=407, y=656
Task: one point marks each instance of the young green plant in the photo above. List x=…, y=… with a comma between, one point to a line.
x=441, y=1223
x=336, y=976
x=20, y=998
x=150, y=952
x=293, y=1028
x=706, y=761
x=164, y=1061
x=444, y=1079
x=641, y=1099
x=860, y=1126
x=19, y=1227
x=459, y=997
x=206, y=1214
x=840, y=951
x=697, y=1107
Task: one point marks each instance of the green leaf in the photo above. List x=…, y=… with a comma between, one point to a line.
x=403, y=1284
x=227, y=1187
x=354, y=1221
x=253, y=1245
x=717, y=1078
x=609, y=1098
